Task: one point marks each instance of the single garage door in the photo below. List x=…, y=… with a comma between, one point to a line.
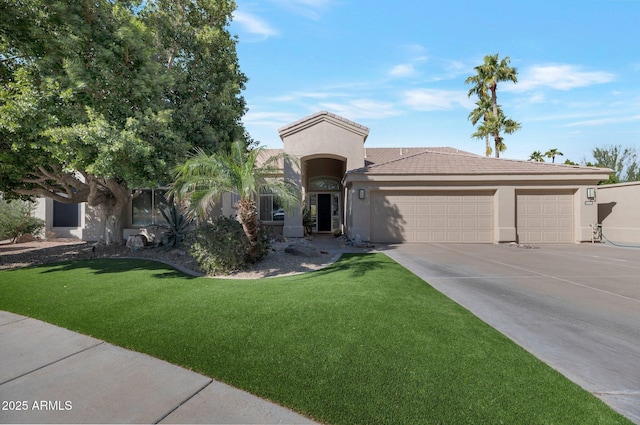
x=421, y=216
x=545, y=217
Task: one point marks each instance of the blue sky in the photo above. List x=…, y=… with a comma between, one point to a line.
x=398, y=67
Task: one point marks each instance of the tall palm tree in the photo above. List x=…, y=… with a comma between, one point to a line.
x=495, y=125
x=536, y=156
x=483, y=111
x=485, y=84
x=203, y=178
x=552, y=153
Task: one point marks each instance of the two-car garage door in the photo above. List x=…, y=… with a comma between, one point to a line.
x=431, y=216
x=544, y=216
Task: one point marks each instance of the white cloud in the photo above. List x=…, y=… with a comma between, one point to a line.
x=298, y=96
x=361, y=109
x=270, y=119
x=604, y=121
x=312, y=9
x=559, y=77
x=254, y=25
x=437, y=100
x=537, y=98
x=403, y=70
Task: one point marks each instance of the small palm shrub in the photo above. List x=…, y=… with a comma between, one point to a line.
x=222, y=247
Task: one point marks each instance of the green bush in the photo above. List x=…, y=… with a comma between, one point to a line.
x=16, y=219
x=221, y=246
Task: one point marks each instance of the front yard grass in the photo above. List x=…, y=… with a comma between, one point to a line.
x=363, y=341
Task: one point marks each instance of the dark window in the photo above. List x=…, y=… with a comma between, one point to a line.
x=146, y=207
x=66, y=215
x=270, y=209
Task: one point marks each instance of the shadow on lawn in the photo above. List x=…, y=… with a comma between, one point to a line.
x=114, y=265
x=357, y=265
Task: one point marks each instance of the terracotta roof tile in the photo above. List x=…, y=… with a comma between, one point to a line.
x=449, y=161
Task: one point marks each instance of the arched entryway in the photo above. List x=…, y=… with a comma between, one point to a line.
x=327, y=145
x=324, y=193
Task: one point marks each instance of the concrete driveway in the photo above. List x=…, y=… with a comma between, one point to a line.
x=575, y=307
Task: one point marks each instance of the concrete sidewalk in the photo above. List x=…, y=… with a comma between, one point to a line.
x=53, y=375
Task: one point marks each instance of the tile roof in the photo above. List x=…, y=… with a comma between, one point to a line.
x=449, y=161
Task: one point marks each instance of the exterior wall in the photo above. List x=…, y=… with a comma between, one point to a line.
x=358, y=216
x=619, y=212
x=325, y=139
x=88, y=230
x=321, y=136
x=586, y=214
x=504, y=226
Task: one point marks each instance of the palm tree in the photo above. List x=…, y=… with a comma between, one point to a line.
x=203, y=178
x=552, y=153
x=483, y=111
x=485, y=84
x=495, y=125
x=537, y=157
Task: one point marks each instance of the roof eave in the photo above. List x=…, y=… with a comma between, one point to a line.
x=513, y=177
x=323, y=116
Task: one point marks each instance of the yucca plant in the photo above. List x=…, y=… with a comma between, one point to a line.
x=176, y=227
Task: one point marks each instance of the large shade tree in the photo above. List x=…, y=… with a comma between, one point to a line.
x=204, y=177
x=98, y=97
x=485, y=86
x=623, y=161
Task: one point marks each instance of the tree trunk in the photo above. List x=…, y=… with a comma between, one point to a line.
x=248, y=217
x=112, y=197
x=494, y=102
x=114, y=223
x=487, y=150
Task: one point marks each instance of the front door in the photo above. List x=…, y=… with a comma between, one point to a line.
x=324, y=212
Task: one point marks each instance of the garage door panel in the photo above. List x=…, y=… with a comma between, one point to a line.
x=439, y=209
x=484, y=223
x=545, y=217
x=463, y=216
x=566, y=209
x=454, y=222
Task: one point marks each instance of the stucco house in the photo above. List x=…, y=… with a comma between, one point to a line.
x=410, y=194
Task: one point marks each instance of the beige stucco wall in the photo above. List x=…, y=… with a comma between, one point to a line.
x=619, y=212
x=321, y=136
x=326, y=139
x=89, y=229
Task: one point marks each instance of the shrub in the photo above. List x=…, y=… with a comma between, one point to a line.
x=176, y=227
x=264, y=242
x=16, y=219
x=220, y=247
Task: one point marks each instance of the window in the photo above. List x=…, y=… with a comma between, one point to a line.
x=146, y=207
x=66, y=215
x=270, y=209
x=324, y=184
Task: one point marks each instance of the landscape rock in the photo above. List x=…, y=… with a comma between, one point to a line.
x=302, y=249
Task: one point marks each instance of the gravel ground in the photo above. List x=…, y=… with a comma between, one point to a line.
x=276, y=263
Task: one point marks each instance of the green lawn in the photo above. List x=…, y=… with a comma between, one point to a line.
x=364, y=341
